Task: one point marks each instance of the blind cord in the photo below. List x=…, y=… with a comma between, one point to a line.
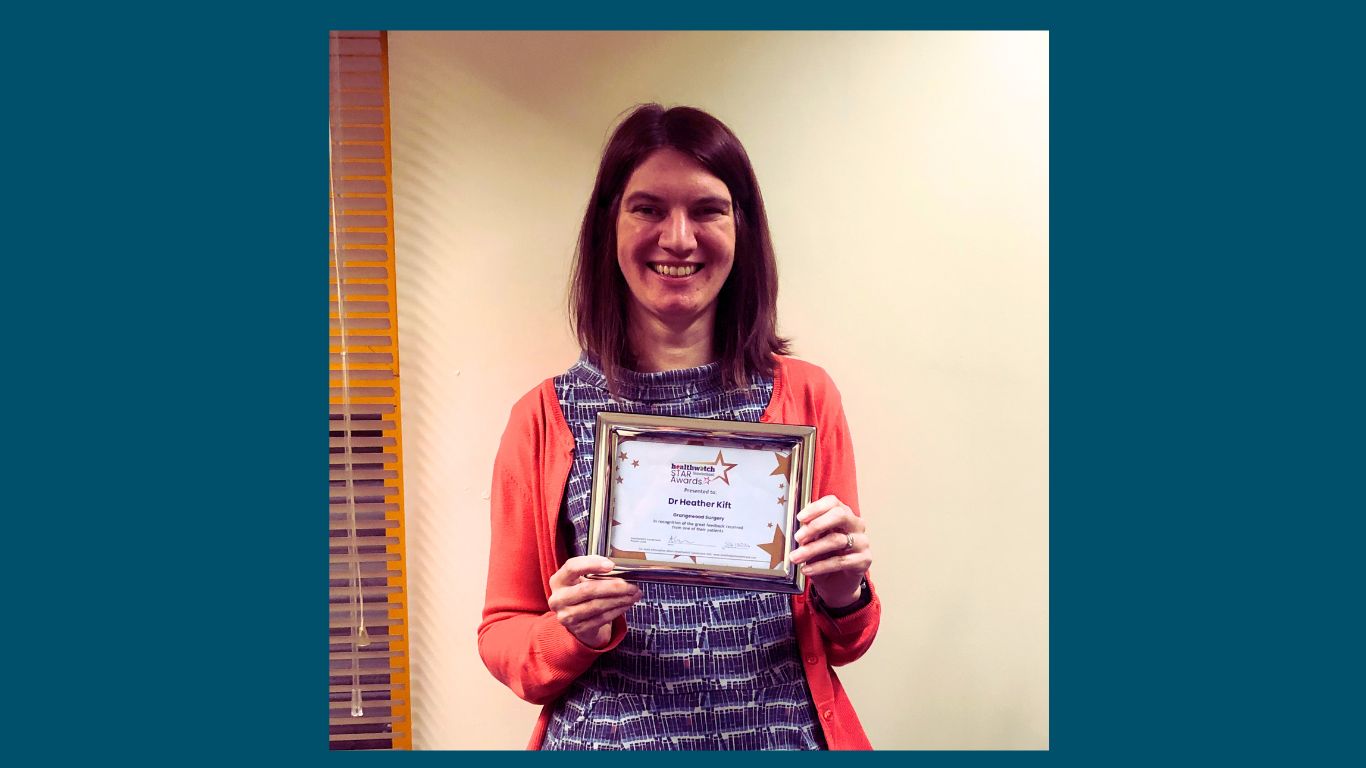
x=361, y=637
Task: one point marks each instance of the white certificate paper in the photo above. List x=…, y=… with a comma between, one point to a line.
x=706, y=505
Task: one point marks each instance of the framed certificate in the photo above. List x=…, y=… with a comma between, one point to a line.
x=700, y=501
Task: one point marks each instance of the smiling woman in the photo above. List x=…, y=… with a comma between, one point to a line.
x=675, y=247
x=674, y=300
x=676, y=192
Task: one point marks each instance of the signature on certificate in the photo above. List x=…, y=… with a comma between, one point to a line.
x=690, y=542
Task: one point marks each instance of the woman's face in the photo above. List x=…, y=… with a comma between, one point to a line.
x=675, y=237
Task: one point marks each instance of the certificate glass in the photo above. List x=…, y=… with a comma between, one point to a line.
x=700, y=501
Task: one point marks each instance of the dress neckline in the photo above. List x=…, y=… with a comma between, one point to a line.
x=651, y=387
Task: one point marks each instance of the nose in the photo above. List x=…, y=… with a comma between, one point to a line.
x=678, y=235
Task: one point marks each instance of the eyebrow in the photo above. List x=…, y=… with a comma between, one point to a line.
x=711, y=200
x=640, y=196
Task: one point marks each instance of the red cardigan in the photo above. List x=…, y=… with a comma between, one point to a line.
x=520, y=640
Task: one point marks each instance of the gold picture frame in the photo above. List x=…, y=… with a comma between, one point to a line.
x=669, y=506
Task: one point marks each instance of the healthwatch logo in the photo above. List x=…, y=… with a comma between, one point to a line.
x=688, y=466
x=701, y=472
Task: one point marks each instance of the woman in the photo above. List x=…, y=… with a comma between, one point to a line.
x=674, y=302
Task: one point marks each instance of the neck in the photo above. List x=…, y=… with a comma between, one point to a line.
x=662, y=344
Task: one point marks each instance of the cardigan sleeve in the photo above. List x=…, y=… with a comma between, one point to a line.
x=520, y=640
x=848, y=637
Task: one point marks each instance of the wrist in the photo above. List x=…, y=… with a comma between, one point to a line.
x=862, y=597
x=839, y=594
x=843, y=599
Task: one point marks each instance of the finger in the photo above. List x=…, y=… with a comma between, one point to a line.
x=817, y=508
x=590, y=615
x=858, y=563
x=841, y=518
x=606, y=617
x=595, y=589
x=612, y=615
x=836, y=542
x=575, y=568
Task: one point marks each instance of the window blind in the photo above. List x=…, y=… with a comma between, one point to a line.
x=368, y=683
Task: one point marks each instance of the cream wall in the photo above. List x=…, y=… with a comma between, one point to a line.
x=906, y=177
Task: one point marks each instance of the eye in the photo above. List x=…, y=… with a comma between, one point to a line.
x=646, y=210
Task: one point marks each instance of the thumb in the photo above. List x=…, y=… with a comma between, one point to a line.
x=577, y=567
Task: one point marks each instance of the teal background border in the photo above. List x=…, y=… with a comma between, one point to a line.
x=1206, y=330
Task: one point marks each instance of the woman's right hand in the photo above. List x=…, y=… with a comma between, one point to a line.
x=587, y=607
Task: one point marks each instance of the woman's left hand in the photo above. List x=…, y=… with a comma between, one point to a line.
x=834, y=551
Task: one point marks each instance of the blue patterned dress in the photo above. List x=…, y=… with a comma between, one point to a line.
x=700, y=667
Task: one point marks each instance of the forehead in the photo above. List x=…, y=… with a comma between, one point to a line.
x=670, y=173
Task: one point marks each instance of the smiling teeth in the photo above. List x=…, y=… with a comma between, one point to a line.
x=676, y=271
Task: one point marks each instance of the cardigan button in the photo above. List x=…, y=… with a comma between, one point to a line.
x=829, y=714
x=811, y=659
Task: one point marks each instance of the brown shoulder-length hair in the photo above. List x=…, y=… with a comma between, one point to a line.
x=746, y=335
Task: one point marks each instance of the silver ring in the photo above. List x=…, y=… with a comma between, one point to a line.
x=850, y=543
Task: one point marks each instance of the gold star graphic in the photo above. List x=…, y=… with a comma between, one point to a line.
x=635, y=463
x=775, y=548
x=615, y=521
x=628, y=554
x=770, y=525
x=781, y=486
x=721, y=462
x=623, y=455
x=784, y=465
x=618, y=479
x=782, y=499
x=725, y=473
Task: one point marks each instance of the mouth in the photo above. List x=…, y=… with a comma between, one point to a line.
x=675, y=270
